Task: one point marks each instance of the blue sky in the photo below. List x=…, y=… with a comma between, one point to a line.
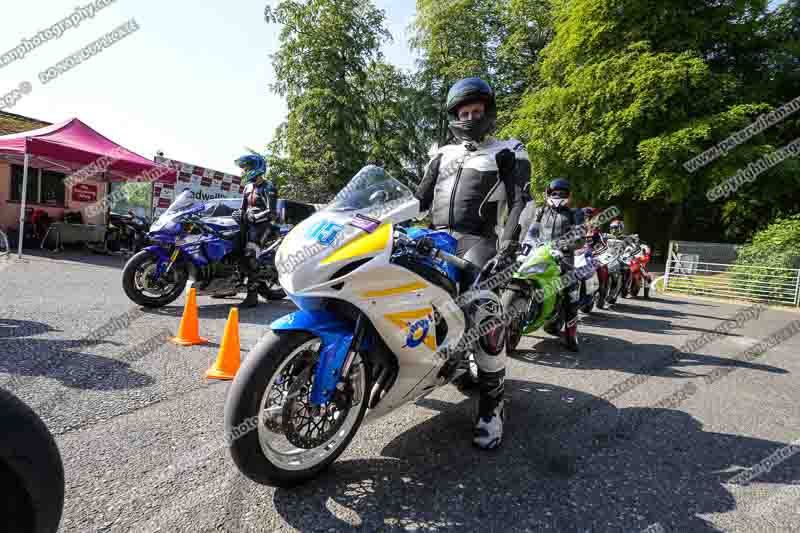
x=192, y=81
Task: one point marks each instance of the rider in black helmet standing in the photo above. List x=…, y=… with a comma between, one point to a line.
x=466, y=186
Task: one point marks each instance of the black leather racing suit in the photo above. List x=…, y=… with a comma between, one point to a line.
x=560, y=225
x=467, y=196
x=261, y=201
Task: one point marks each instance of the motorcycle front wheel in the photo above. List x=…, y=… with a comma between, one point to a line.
x=635, y=286
x=141, y=288
x=514, y=304
x=603, y=296
x=31, y=471
x=276, y=435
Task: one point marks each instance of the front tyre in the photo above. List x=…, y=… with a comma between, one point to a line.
x=635, y=286
x=143, y=288
x=603, y=296
x=276, y=436
x=31, y=471
x=515, y=306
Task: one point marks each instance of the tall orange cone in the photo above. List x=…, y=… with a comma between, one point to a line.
x=229, y=355
x=189, y=330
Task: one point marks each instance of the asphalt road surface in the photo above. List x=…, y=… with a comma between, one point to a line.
x=140, y=429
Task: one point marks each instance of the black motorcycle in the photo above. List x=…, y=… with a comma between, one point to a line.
x=126, y=232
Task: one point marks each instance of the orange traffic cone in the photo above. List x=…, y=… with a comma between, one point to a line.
x=229, y=355
x=188, y=332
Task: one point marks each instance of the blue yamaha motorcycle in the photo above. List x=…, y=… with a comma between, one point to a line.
x=206, y=250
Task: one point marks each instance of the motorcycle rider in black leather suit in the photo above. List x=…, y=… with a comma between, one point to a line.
x=466, y=186
x=558, y=223
x=258, y=211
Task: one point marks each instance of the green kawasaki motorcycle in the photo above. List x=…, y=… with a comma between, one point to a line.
x=533, y=297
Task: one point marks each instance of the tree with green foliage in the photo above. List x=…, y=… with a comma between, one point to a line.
x=497, y=40
x=321, y=69
x=630, y=90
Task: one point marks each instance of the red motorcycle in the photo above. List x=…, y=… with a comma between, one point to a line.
x=637, y=257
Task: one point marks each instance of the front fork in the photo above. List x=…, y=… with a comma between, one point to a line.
x=172, y=258
x=340, y=346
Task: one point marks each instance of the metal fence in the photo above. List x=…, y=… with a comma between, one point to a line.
x=710, y=269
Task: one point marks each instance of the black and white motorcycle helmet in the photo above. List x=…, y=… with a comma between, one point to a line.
x=467, y=91
x=557, y=193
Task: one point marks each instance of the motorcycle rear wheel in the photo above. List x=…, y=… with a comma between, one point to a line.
x=267, y=454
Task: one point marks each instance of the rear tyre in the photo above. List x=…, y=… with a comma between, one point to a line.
x=31, y=471
x=647, y=293
x=142, y=290
x=267, y=405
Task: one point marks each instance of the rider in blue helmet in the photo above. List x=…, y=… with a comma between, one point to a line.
x=259, y=210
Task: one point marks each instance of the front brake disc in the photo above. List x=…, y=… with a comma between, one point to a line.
x=306, y=425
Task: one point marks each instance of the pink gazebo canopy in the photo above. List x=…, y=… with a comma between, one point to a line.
x=74, y=145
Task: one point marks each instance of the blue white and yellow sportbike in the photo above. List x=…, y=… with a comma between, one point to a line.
x=381, y=322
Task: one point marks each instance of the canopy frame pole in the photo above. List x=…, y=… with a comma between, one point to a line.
x=22, y=206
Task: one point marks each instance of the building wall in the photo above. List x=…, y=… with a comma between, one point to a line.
x=9, y=211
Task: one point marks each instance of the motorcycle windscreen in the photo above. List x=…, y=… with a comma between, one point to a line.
x=370, y=200
x=374, y=193
x=183, y=203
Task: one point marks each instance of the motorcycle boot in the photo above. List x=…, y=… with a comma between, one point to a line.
x=487, y=433
x=252, y=295
x=490, y=357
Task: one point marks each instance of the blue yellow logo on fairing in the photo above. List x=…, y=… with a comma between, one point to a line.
x=417, y=327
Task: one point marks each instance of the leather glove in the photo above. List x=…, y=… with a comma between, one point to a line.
x=237, y=215
x=251, y=216
x=505, y=159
